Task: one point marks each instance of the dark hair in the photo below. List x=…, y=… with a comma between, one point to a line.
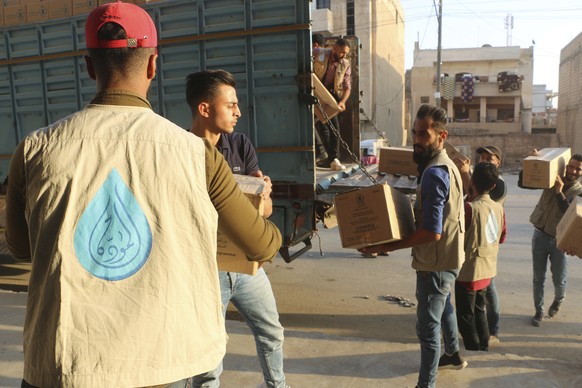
x=577, y=157
x=125, y=61
x=437, y=115
x=319, y=39
x=203, y=86
x=485, y=175
x=342, y=42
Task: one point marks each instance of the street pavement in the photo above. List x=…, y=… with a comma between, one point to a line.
x=341, y=331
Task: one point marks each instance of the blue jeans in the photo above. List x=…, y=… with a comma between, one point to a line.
x=253, y=298
x=544, y=248
x=433, y=313
x=493, y=308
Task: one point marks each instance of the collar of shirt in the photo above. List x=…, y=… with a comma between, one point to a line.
x=120, y=97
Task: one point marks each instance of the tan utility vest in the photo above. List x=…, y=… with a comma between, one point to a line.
x=134, y=185
x=482, y=240
x=320, y=63
x=547, y=213
x=447, y=253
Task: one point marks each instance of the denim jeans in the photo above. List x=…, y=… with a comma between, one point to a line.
x=493, y=308
x=472, y=318
x=432, y=291
x=253, y=298
x=544, y=248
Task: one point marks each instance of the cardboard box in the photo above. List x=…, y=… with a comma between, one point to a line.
x=540, y=171
x=9, y=3
x=569, y=231
x=14, y=15
x=81, y=7
x=453, y=152
x=373, y=215
x=328, y=103
x=397, y=160
x=59, y=9
x=1, y=16
x=230, y=257
x=37, y=12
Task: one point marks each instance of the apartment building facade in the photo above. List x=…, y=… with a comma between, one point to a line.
x=485, y=89
x=570, y=95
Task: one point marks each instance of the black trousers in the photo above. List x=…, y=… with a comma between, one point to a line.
x=328, y=138
x=472, y=317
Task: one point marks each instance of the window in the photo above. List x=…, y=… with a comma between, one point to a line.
x=424, y=100
x=321, y=4
x=350, y=12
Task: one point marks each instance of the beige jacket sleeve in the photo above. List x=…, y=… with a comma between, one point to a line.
x=237, y=218
x=16, y=225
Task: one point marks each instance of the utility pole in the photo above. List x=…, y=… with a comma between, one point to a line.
x=437, y=94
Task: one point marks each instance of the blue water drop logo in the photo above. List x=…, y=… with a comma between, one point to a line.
x=113, y=238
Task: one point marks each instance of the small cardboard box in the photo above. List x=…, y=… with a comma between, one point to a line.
x=373, y=215
x=37, y=12
x=230, y=257
x=569, y=231
x=14, y=15
x=540, y=171
x=59, y=9
x=397, y=160
x=453, y=152
x=328, y=103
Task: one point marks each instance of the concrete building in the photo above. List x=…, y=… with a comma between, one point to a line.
x=379, y=26
x=570, y=95
x=544, y=116
x=486, y=89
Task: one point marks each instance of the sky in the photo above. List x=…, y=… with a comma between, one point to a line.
x=473, y=23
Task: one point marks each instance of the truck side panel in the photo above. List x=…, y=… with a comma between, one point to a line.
x=266, y=44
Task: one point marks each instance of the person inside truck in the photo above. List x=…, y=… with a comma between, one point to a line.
x=318, y=45
x=437, y=244
x=117, y=207
x=334, y=71
x=548, y=212
x=212, y=98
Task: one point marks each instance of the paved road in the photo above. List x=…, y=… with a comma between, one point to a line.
x=342, y=332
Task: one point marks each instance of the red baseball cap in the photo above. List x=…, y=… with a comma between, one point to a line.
x=138, y=25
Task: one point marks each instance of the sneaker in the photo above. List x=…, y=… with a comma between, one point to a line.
x=537, y=319
x=554, y=308
x=455, y=362
x=493, y=339
x=336, y=165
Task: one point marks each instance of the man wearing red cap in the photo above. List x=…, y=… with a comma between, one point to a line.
x=118, y=210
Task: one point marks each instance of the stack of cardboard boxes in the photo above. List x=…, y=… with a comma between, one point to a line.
x=19, y=12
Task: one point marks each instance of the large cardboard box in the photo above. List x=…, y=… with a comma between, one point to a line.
x=373, y=215
x=569, y=231
x=540, y=171
x=397, y=160
x=59, y=9
x=37, y=12
x=230, y=257
x=328, y=103
x=14, y=15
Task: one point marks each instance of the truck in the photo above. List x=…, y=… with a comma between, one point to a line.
x=265, y=44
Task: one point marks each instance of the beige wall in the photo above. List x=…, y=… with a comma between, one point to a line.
x=570, y=95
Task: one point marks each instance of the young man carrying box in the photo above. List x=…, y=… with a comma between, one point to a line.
x=551, y=206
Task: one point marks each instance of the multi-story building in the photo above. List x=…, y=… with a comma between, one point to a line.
x=486, y=89
x=379, y=26
x=570, y=95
